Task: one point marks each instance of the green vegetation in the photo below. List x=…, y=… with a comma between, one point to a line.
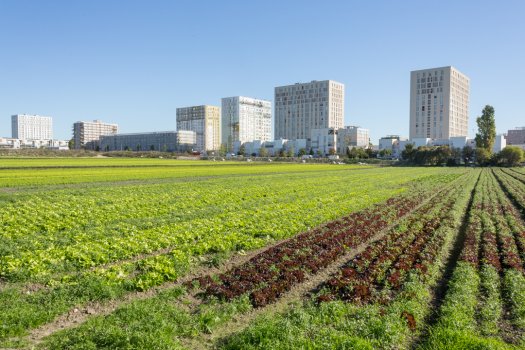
x=89, y=234
x=157, y=254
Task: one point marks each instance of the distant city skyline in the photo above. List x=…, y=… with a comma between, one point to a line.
x=134, y=63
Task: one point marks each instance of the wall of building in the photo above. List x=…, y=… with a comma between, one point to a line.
x=516, y=136
x=205, y=121
x=301, y=107
x=87, y=134
x=245, y=119
x=31, y=127
x=439, y=103
x=164, y=141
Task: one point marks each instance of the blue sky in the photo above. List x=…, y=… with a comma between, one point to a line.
x=135, y=62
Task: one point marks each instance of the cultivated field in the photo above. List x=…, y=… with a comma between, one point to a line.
x=165, y=254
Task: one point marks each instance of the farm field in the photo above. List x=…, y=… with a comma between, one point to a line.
x=165, y=254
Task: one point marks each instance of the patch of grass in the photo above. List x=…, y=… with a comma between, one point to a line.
x=156, y=323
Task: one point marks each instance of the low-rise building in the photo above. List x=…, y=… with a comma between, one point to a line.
x=352, y=136
x=12, y=143
x=324, y=141
x=164, y=141
x=394, y=143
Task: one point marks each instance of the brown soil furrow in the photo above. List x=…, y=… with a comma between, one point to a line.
x=80, y=314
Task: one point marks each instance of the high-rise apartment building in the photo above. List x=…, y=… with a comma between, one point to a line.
x=87, y=134
x=439, y=103
x=245, y=119
x=301, y=107
x=205, y=121
x=31, y=127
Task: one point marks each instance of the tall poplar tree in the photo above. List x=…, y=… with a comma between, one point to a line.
x=486, y=129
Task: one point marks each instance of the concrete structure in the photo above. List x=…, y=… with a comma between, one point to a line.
x=87, y=134
x=439, y=103
x=164, y=141
x=273, y=147
x=499, y=143
x=245, y=119
x=516, y=136
x=11, y=143
x=31, y=127
x=323, y=141
x=205, y=121
x=302, y=107
x=352, y=136
x=395, y=143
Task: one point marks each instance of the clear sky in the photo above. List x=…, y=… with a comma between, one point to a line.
x=134, y=62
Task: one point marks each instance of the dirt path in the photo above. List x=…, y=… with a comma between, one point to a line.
x=80, y=314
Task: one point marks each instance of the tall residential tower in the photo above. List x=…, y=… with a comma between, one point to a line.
x=439, y=103
x=31, y=127
x=205, y=121
x=87, y=134
x=245, y=119
x=301, y=107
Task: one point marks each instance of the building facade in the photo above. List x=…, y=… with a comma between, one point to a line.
x=163, y=141
x=439, y=103
x=87, y=134
x=324, y=141
x=352, y=136
x=301, y=107
x=205, y=121
x=245, y=119
x=31, y=127
x=516, y=136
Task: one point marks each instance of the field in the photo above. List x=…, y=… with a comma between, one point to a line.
x=166, y=254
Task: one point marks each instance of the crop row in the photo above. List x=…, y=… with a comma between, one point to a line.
x=273, y=272
x=488, y=278
x=384, y=266
x=200, y=220
x=73, y=230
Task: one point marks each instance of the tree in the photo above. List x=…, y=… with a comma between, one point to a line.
x=291, y=152
x=486, y=129
x=302, y=152
x=467, y=153
x=71, y=144
x=511, y=156
x=263, y=152
x=357, y=152
x=482, y=156
x=242, y=149
x=409, y=152
x=385, y=152
x=332, y=151
x=311, y=151
x=222, y=150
